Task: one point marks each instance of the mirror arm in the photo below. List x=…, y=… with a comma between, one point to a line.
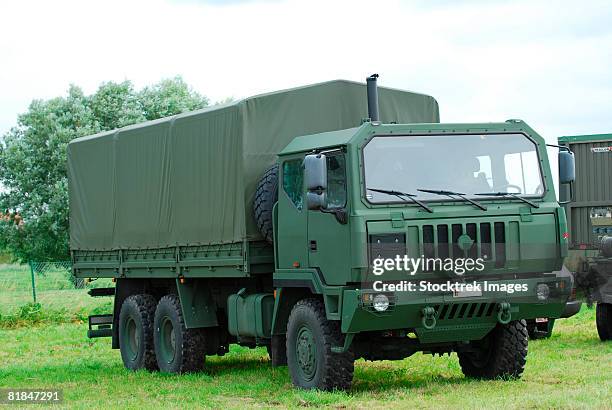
x=561, y=147
x=329, y=151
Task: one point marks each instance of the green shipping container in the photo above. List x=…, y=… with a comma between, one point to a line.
x=593, y=188
x=190, y=179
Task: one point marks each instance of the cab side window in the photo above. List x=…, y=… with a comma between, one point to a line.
x=293, y=181
x=336, y=181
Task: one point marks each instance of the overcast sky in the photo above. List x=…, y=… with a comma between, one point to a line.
x=549, y=63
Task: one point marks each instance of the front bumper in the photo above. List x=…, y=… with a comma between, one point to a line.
x=457, y=317
x=571, y=308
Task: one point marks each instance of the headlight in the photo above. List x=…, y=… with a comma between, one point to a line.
x=542, y=291
x=381, y=302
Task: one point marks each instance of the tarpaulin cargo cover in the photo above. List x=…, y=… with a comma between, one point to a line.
x=190, y=179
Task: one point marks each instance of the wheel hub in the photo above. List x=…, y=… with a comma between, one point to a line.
x=168, y=340
x=306, y=353
x=133, y=338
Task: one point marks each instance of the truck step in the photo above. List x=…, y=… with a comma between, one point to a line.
x=103, y=324
x=94, y=333
x=97, y=292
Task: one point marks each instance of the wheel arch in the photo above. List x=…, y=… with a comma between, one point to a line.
x=286, y=298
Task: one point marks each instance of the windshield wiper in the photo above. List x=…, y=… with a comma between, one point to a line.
x=402, y=196
x=452, y=194
x=511, y=195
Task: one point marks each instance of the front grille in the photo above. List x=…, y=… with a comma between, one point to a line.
x=452, y=311
x=500, y=244
x=442, y=241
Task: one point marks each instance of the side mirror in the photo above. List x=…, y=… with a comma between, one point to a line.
x=315, y=200
x=567, y=167
x=315, y=176
x=315, y=172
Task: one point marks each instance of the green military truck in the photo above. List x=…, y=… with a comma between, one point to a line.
x=258, y=222
x=589, y=213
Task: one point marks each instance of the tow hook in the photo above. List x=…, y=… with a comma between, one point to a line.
x=429, y=317
x=503, y=313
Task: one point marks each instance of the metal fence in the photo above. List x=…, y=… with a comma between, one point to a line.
x=47, y=269
x=49, y=283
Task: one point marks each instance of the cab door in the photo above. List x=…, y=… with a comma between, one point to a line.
x=291, y=227
x=328, y=234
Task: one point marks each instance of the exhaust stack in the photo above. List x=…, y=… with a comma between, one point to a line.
x=372, y=97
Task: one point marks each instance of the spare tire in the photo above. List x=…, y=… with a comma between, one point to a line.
x=266, y=196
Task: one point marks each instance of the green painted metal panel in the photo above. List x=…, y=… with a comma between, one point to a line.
x=198, y=261
x=291, y=242
x=454, y=320
x=593, y=185
x=250, y=316
x=585, y=138
x=197, y=304
x=320, y=141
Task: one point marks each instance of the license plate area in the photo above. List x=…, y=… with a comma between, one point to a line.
x=467, y=293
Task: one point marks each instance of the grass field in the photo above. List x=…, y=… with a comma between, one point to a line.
x=573, y=369
x=54, y=291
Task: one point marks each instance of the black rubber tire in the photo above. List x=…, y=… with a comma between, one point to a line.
x=137, y=312
x=502, y=354
x=189, y=344
x=603, y=320
x=266, y=195
x=539, y=330
x=332, y=371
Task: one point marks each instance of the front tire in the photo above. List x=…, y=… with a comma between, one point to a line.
x=136, y=332
x=310, y=337
x=502, y=354
x=603, y=320
x=178, y=349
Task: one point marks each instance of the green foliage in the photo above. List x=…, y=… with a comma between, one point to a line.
x=169, y=97
x=33, y=156
x=5, y=258
x=33, y=314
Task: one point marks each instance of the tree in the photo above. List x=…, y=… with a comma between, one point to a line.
x=33, y=157
x=169, y=97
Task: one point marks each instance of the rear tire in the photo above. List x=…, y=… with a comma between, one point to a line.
x=603, y=320
x=178, y=349
x=310, y=337
x=266, y=195
x=502, y=354
x=136, y=332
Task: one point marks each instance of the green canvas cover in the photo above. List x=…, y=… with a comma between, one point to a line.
x=190, y=179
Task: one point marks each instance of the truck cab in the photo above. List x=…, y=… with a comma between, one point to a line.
x=443, y=193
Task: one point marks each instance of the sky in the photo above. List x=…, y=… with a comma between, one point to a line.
x=546, y=62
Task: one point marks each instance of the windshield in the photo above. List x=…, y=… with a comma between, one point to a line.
x=467, y=164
